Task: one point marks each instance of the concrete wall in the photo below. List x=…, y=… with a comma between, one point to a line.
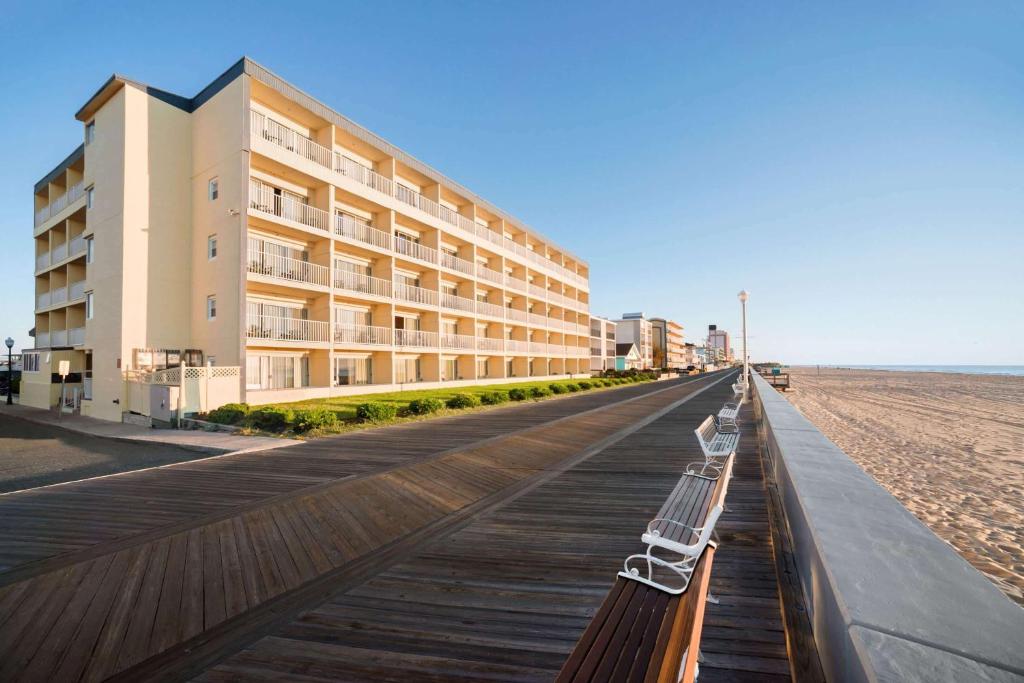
x=888, y=599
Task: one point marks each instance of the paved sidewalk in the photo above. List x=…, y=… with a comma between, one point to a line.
x=213, y=443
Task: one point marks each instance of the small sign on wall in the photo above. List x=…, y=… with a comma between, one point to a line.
x=64, y=368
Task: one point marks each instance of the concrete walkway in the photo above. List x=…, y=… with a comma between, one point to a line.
x=214, y=443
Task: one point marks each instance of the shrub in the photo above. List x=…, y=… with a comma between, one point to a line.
x=539, y=392
x=315, y=418
x=270, y=418
x=607, y=382
x=425, y=406
x=573, y=387
x=376, y=411
x=493, y=398
x=585, y=385
x=229, y=413
x=516, y=395
x=557, y=388
x=463, y=401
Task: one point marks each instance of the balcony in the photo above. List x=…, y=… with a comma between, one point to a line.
x=490, y=275
x=517, y=315
x=59, y=253
x=414, y=250
x=288, y=269
x=42, y=340
x=74, y=193
x=516, y=346
x=453, y=262
x=458, y=341
x=493, y=310
x=43, y=260
x=76, y=291
x=457, y=303
x=59, y=338
x=417, y=338
x=263, y=199
x=363, y=284
x=416, y=295
x=58, y=295
x=42, y=300
x=515, y=283
x=362, y=334
x=490, y=344
x=350, y=228
x=538, y=320
x=538, y=292
x=76, y=336
x=269, y=130
x=287, y=329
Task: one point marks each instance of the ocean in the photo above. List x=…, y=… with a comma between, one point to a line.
x=965, y=369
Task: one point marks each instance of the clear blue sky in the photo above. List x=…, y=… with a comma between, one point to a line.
x=858, y=168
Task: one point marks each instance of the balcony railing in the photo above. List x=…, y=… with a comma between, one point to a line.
x=43, y=260
x=59, y=253
x=76, y=290
x=42, y=300
x=263, y=198
x=456, y=263
x=287, y=329
x=362, y=334
x=59, y=338
x=364, y=284
x=287, y=138
x=515, y=283
x=539, y=320
x=416, y=338
x=76, y=336
x=42, y=340
x=292, y=140
x=488, y=274
x=490, y=344
x=58, y=295
x=347, y=226
x=74, y=193
x=457, y=341
x=417, y=295
x=77, y=246
x=538, y=292
x=516, y=346
x=516, y=314
x=458, y=303
x=286, y=268
x=493, y=310
x=407, y=247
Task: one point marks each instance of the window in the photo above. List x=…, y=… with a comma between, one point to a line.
x=213, y=189
x=90, y=132
x=211, y=247
x=352, y=371
x=30, y=362
x=90, y=196
x=275, y=372
x=211, y=361
x=88, y=306
x=211, y=308
x=508, y=368
x=481, y=368
x=88, y=250
x=449, y=370
x=407, y=370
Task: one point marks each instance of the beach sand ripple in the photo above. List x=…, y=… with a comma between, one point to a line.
x=950, y=447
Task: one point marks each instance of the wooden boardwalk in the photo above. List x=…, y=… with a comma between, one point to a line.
x=440, y=551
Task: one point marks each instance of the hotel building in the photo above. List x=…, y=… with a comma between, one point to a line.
x=253, y=226
x=602, y=344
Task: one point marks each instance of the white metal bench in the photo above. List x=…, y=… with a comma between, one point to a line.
x=730, y=413
x=716, y=441
x=684, y=542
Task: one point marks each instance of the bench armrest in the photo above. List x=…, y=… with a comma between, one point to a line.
x=654, y=532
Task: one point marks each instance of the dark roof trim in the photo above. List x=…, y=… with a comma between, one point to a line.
x=60, y=168
x=625, y=349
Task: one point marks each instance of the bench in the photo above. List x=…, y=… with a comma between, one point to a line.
x=730, y=413
x=717, y=441
x=644, y=633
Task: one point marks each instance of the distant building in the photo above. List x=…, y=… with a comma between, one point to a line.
x=719, y=344
x=602, y=344
x=634, y=328
x=667, y=336
x=690, y=355
x=627, y=356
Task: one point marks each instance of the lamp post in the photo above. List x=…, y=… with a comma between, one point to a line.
x=10, y=371
x=743, y=296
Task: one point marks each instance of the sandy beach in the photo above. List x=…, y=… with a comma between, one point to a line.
x=950, y=447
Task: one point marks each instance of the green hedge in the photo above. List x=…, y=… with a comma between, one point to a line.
x=584, y=386
x=539, y=392
x=517, y=395
x=376, y=411
x=228, y=414
x=557, y=388
x=463, y=401
x=314, y=418
x=270, y=419
x=572, y=387
x=493, y=398
x=425, y=406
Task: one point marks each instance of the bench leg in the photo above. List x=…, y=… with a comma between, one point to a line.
x=712, y=599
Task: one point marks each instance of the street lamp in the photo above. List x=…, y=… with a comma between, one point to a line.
x=10, y=372
x=743, y=296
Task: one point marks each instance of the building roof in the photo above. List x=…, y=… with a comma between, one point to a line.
x=250, y=68
x=624, y=349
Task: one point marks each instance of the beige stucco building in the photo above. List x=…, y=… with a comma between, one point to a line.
x=253, y=226
x=602, y=344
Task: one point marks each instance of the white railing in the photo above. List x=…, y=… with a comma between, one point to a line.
x=516, y=314
x=457, y=341
x=58, y=295
x=538, y=292
x=363, y=175
x=292, y=140
x=74, y=193
x=59, y=253
x=76, y=290
x=539, y=320
x=413, y=198
x=42, y=261
x=365, y=284
x=538, y=347
x=489, y=344
x=287, y=329
x=59, y=338
x=458, y=303
x=77, y=246
x=76, y=336
x=493, y=310
x=262, y=198
x=286, y=268
x=362, y=334
x=456, y=263
x=516, y=346
x=42, y=339
x=488, y=274
x=42, y=300
x=414, y=294
x=415, y=338
x=347, y=226
x=515, y=283
x=411, y=249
